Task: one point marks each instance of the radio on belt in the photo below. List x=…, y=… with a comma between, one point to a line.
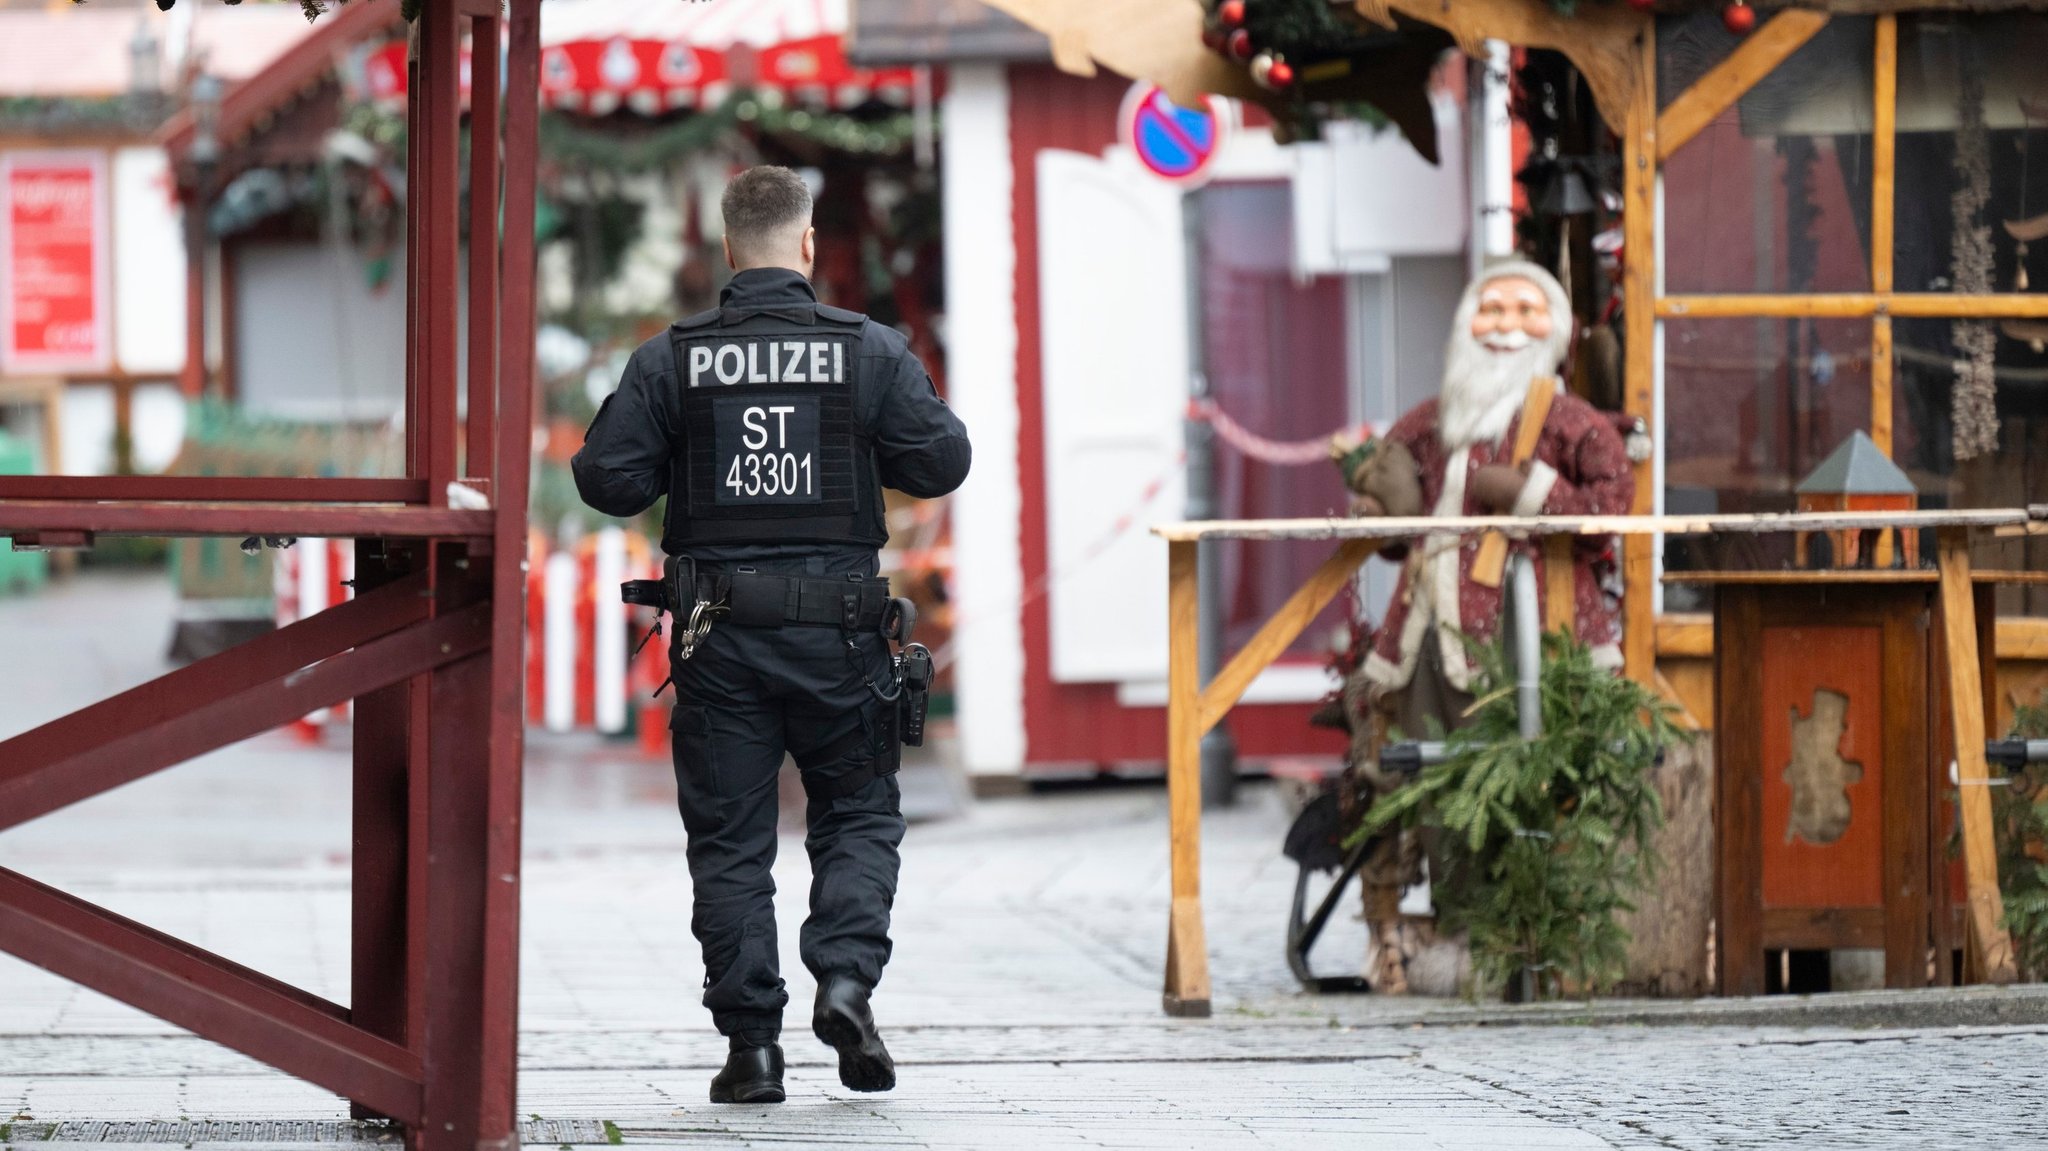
x=914, y=666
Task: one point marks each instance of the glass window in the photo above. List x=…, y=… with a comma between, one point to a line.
x=1774, y=196
x=2012, y=474
x=1751, y=407
x=1973, y=111
x=1276, y=353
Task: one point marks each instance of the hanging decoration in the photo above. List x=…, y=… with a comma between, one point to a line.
x=1739, y=18
x=2023, y=231
x=573, y=142
x=1975, y=403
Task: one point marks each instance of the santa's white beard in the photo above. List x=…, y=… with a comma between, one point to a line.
x=1483, y=390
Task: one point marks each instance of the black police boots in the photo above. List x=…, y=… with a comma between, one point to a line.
x=751, y=1075
x=843, y=1021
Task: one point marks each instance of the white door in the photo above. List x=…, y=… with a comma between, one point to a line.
x=1113, y=316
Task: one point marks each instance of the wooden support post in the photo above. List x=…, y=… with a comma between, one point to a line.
x=1884, y=166
x=1187, y=949
x=1560, y=586
x=1727, y=82
x=1989, y=943
x=1639, y=317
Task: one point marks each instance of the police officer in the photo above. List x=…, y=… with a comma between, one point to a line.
x=772, y=423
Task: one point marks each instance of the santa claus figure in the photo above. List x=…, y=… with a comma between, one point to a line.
x=1512, y=330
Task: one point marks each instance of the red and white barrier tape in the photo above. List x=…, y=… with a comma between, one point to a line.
x=1297, y=453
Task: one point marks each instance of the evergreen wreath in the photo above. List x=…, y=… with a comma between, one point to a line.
x=1543, y=841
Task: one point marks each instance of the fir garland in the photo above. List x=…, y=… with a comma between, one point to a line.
x=571, y=140
x=1544, y=841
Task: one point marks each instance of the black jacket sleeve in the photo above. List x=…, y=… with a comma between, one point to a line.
x=921, y=445
x=623, y=466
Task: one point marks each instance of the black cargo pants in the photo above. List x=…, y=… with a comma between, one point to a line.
x=746, y=696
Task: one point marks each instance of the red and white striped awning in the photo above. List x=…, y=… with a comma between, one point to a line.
x=654, y=56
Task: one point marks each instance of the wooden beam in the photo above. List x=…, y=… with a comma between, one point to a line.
x=1728, y=81
x=1685, y=635
x=2020, y=638
x=1187, y=953
x=1884, y=153
x=1992, y=945
x=1754, y=523
x=1599, y=39
x=1297, y=613
x=1884, y=167
x=1690, y=635
x=1639, y=318
x=1854, y=305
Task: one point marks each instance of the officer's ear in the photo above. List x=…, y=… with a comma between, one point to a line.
x=810, y=246
x=729, y=261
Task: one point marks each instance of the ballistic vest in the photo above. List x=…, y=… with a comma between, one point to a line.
x=773, y=447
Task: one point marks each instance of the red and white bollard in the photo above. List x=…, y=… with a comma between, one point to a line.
x=309, y=577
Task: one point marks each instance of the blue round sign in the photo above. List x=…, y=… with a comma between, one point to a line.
x=1172, y=142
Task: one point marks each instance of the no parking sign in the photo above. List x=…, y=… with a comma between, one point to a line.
x=1172, y=142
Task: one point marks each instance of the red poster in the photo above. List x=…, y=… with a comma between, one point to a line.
x=53, y=240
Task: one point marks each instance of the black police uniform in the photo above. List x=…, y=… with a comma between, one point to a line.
x=772, y=423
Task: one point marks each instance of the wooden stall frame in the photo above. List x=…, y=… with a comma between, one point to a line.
x=1193, y=707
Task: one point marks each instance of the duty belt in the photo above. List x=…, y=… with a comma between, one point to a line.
x=744, y=597
x=747, y=598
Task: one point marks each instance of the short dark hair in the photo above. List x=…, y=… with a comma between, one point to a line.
x=761, y=205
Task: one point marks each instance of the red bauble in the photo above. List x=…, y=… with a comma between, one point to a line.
x=1231, y=12
x=1643, y=5
x=1212, y=38
x=1280, y=75
x=1240, y=44
x=1739, y=18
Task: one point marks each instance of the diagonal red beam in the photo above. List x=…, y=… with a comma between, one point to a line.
x=217, y=999
x=362, y=619
x=83, y=769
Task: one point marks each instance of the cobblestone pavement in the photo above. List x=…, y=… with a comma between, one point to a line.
x=1022, y=1005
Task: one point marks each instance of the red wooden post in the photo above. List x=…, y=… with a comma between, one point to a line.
x=430, y=649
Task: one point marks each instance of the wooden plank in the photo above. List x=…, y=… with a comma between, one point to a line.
x=1728, y=81
x=1685, y=634
x=1187, y=957
x=1404, y=527
x=1966, y=700
x=1881, y=364
x=1823, y=928
x=1850, y=576
x=1560, y=586
x=1639, y=336
x=1690, y=635
x=1884, y=154
x=1297, y=613
x=1489, y=564
x=1738, y=801
x=1905, y=738
x=1849, y=305
x=2023, y=638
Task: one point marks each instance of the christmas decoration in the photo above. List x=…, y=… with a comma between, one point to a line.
x=1280, y=76
x=1231, y=13
x=1643, y=5
x=1262, y=69
x=1739, y=17
x=1240, y=45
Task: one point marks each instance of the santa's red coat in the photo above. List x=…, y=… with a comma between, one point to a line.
x=1581, y=467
